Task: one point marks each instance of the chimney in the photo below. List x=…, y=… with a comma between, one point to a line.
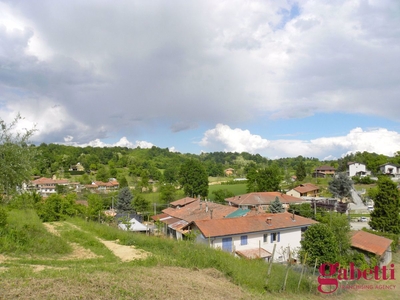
x=269, y=221
x=211, y=213
x=293, y=215
x=200, y=204
x=206, y=207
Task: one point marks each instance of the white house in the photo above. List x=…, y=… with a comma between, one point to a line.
x=390, y=169
x=357, y=169
x=254, y=236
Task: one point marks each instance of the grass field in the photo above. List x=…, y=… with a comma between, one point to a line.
x=100, y=262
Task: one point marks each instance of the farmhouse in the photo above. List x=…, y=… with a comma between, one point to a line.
x=103, y=187
x=390, y=169
x=324, y=171
x=254, y=236
x=47, y=186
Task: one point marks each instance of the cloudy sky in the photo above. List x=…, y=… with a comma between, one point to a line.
x=278, y=78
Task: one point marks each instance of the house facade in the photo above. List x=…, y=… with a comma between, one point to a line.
x=304, y=190
x=324, y=171
x=103, y=187
x=48, y=186
x=255, y=236
x=357, y=169
x=390, y=170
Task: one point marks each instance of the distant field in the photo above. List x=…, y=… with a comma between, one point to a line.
x=237, y=189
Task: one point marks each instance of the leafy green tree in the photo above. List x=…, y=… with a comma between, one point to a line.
x=123, y=182
x=276, y=206
x=102, y=174
x=124, y=200
x=303, y=209
x=221, y=194
x=144, y=180
x=319, y=243
x=95, y=206
x=17, y=158
x=140, y=204
x=301, y=172
x=167, y=193
x=61, y=189
x=57, y=207
x=3, y=217
x=385, y=216
x=193, y=178
x=264, y=180
x=340, y=186
x=339, y=224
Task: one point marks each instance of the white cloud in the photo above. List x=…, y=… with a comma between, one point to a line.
x=378, y=140
x=233, y=140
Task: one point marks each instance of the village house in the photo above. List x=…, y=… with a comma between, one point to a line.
x=357, y=169
x=229, y=172
x=103, y=187
x=368, y=243
x=47, y=186
x=324, y=171
x=262, y=200
x=254, y=236
x=390, y=169
x=304, y=190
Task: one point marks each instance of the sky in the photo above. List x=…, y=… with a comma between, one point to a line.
x=278, y=78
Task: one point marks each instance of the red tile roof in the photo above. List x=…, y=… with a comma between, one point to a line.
x=262, y=198
x=223, y=227
x=183, y=201
x=370, y=242
x=196, y=211
x=44, y=180
x=306, y=187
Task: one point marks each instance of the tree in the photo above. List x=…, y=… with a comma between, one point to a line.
x=95, y=206
x=339, y=224
x=167, y=193
x=124, y=200
x=123, y=182
x=319, y=243
x=221, y=194
x=263, y=180
x=301, y=172
x=303, y=209
x=17, y=158
x=193, y=178
x=385, y=216
x=102, y=174
x=340, y=186
x=140, y=204
x=276, y=206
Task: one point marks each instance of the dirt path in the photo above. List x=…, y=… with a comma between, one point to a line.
x=125, y=253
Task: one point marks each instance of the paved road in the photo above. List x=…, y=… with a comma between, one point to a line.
x=359, y=225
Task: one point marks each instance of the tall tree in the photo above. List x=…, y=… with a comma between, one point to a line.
x=319, y=243
x=193, y=178
x=301, y=172
x=339, y=224
x=102, y=174
x=17, y=158
x=276, y=206
x=385, y=216
x=167, y=193
x=340, y=186
x=124, y=200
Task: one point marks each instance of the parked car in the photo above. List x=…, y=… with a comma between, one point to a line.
x=363, y=219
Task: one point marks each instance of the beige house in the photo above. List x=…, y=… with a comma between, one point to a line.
x=304, y=190
x=229, y=171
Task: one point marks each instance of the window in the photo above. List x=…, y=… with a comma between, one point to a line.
x=243, y=240
x=275, y=237
x=265, y=238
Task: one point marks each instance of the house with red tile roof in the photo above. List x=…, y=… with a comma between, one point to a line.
x=103, y=187
x=261, y=200
x=254, y=236
x=369, y=243
x=182, y=202
x=304, y=190
x=177, y=217
x=47, y=186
